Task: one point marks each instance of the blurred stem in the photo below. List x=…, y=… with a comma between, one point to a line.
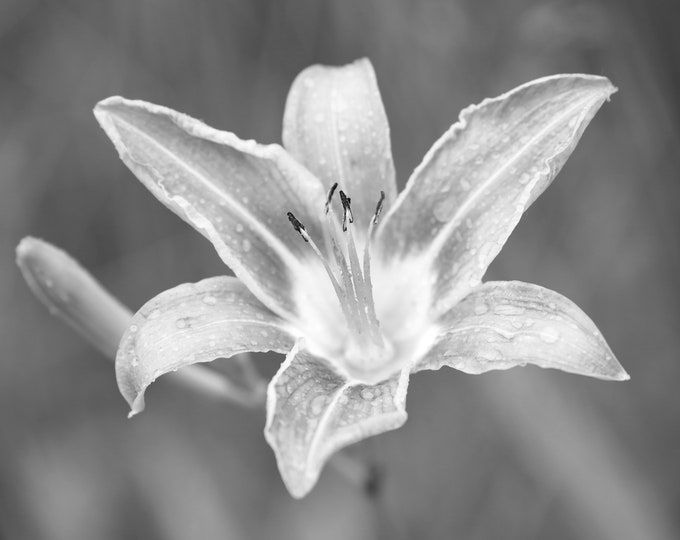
x=75, y=296
x=574, y=453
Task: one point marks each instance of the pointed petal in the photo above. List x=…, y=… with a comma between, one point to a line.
x=313, y=411
x=504, y=324
x=335, y=124
x=236, y=193
x=195, y=322
x=463, y=201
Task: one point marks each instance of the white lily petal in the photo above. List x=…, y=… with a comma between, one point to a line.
x=234, y=192
x=335, y=124
x=195, y=322
x=313, y=411
x=463, y=201
x=505, y=324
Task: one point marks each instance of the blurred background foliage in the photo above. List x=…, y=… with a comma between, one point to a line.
x=519, y=455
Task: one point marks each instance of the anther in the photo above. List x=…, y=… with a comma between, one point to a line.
x=379, y=207
x=329, y=198
x=347, y=210
x=298, y=226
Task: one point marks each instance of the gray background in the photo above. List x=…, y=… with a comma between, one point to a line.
x=527, y=454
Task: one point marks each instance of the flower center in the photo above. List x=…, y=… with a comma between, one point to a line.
x=366, y=350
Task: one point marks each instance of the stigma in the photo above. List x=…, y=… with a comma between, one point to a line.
x=366, y=348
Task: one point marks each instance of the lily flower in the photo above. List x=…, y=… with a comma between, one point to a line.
x=358, y=285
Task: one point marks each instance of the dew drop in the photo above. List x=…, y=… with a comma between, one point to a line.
x=239, y=228
x=181, y=323
x=246, y=245
x=481, y=308
x=368, y=394
x=210, y=300
x=154, y=314
x=317, y=405
x=134, y=328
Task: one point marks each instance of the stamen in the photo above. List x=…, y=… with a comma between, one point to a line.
x=329, y=198
x=345, y=301
x=346, y=210
x=352, y=285
x=298, y=226
x=367, y=258
x=362, y=292
x=348, y=283
x=379, y=207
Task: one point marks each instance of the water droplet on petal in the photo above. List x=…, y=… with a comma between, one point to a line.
x=368, y=394
x=154, y=314
x=181, y=323
x=134, y=328
x=246, y=245
x=239, y=228
x=317, y=404
x=210, y=300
